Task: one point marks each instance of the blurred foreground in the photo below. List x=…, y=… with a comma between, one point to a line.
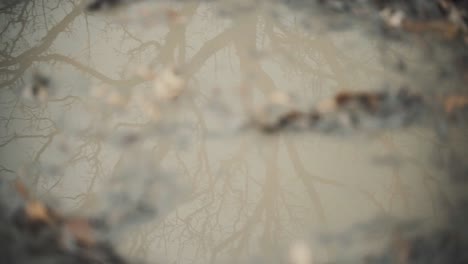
x=226, y=131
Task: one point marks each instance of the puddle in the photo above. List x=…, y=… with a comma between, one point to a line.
x=150, y=107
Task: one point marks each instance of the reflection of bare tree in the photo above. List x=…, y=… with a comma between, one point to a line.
x=233, y=207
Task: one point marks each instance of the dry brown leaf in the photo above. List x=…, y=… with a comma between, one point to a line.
x=327, y=106
x=37, y=211
x=392, y=18
x=170, y=85
x=21, y=189
x=81, y=230
x=453, y=103
x=369, y=100
x=446, y=28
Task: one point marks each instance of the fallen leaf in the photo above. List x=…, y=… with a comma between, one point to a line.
x=22, y=190
x=453, y=103
x=81, y=231
x=447, y=29
x=37, y=211
x=169, y=85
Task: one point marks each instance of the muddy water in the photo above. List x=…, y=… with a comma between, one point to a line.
x=188, y=180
